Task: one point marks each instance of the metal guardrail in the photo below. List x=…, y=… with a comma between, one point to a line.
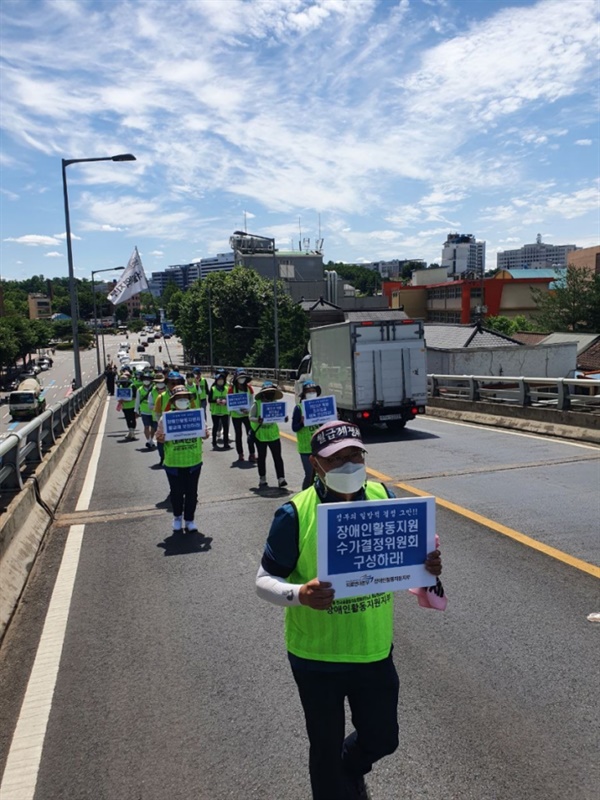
x=560, y=394
x=22, y=450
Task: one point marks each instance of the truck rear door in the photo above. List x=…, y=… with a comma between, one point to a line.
x=379, y=374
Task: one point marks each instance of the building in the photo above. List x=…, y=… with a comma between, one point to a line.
x=587, y=258
x=222, y=262
x=393, y=268
x=462, y=255
x=536, y=256
x=182, y=275
x=507, y=294
x=40, y=306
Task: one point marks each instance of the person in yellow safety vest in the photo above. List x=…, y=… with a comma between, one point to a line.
x=182, y=463
x=202, y=386
x=267, y=435
x=304, y=432
x=338, y=649
x=192, y=387
x=128, y=405
x=217, y=398
x=239, y=417
x=144, y=397
x=165, y=386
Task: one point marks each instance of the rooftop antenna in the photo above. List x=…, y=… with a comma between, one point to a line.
x=300, y=232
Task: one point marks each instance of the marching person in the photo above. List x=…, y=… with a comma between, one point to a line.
x=165, y=388
x=304, y=432
x=110, y=374
x=217, y=398
x=239, y=417
x=182, y=463
x=192, y=387
x=128, y=406
x=267, y=435
x=146, y=394
x=202, y=387
x=334, y=655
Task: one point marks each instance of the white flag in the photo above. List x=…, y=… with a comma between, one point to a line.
x=133, y=281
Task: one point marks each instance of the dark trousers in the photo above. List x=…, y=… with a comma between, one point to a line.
x=308, y=470
x=130, y=418
x=336, y=763
x=275, y=448
x=241, y=426
x=220, y=421
x=184, y=491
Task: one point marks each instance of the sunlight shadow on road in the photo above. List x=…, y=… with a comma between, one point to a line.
x=182, y=544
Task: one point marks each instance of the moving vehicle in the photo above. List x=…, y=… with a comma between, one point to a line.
x=376, y=368
x=140, y=365
x=140, y=348
x=27, y=401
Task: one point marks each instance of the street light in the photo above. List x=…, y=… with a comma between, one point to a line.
x=275, y=276
x=72, y=290
x=245, y=328
x=95, y=272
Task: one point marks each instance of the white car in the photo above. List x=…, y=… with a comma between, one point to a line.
x=140, y=365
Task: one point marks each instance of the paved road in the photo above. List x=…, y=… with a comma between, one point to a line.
x=173, y=680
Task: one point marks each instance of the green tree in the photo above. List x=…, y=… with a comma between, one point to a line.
x=241, y=310
x=510, y=325
x=572, y=305
x=366, y=281
x=9, y=346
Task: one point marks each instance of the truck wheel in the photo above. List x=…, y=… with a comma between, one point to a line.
x=396, y=424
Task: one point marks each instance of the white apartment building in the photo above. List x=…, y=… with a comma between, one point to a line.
x=222, y=262
x=536, y=256
x=462, y=255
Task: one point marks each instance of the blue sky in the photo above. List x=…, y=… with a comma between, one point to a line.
x=395, y=121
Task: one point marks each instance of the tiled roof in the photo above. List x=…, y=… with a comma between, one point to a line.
x=583, y=340
x=451, y=337
x=552, y=274
x=529, y=337
x=590, y=358
x=377, y=315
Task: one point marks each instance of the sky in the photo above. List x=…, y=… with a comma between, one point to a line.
x=379, y=126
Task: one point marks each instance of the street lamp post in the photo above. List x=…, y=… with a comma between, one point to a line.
x=72, y=289
x=95, y=272
x=210, y=330
x=275, y=276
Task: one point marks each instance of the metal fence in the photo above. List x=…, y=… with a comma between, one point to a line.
x=22, y=450
x=560, y=394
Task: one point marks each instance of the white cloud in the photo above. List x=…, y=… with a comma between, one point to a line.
x=584, y=142
x=156, y=253
x=53, y=254
x=34, y=240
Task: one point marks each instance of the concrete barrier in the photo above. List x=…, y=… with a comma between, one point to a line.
x=25, y=523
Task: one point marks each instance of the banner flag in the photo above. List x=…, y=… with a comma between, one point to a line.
x=133, y=280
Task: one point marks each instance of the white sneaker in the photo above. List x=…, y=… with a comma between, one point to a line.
x=190, y=526
x=177, y=523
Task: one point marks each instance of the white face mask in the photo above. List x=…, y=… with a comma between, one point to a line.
x=147, y=383
x=347, y=479
x=182, y=405
x=310, y=395
x=241, y=380
x=160, y=385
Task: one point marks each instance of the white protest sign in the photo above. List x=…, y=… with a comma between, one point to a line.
x=375, y=546
x=189, y=424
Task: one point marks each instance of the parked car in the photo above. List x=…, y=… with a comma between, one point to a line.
x=140, y=348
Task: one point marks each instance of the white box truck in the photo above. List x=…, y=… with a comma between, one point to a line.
x=375, y=368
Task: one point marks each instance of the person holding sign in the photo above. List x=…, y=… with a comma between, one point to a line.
x=217, y=397
x=126, y=397
x=342, y=648
x=303, y=432
x=239, y=414
x=267, y=435
x=182, y=456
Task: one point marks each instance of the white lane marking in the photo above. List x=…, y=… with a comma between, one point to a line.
x=83, y=502
x=538, y=436
x=20, y=775
x=23, y=763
